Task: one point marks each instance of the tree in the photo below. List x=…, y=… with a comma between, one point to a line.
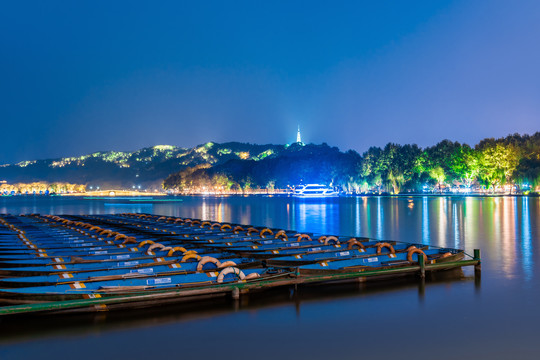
x=396, y=181
x=438, y=174
x=497, y=163
x=471, y=170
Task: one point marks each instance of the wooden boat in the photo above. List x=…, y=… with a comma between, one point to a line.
x=85, y=290
x=320, y=256
x=125, y=270
x=53, y=258
x=432, y=256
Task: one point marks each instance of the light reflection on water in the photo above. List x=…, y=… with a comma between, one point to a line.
x=425, y=221
x=380, y=219
x=318, y=216
x=505, y=229
x=526, y=248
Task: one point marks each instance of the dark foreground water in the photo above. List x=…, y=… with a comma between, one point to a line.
x=451, y=316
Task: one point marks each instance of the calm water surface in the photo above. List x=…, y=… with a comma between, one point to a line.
x=451, y=316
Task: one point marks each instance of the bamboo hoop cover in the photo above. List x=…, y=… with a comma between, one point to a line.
x=331, y=238
x=353, y=242
x=264, y=231
x=230, y=270
x=237, y=229
x=154, y=246
x=190, y=256
x=415, y=250
x=252, y=229
x=382, y=245
x=145, y=242
x=130, y=240
x=281, y=234
x=208, y=259
x=175, y=249
x=227, y=264
x=302, y=236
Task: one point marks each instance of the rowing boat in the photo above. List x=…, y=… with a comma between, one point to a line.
x=53, y=258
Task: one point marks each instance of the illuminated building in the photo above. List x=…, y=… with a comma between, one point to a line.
x=299, y=137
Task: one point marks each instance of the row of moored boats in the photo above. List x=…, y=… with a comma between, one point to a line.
x=54, y=258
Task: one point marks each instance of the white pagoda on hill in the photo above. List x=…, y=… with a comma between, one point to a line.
x=299, y=137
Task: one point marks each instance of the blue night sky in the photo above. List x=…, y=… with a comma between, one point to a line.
x=84, y=76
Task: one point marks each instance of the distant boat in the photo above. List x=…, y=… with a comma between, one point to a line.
x=314, y=191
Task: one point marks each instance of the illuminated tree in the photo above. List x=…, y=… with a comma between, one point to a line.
x=497, y=163
x=472, y=168
x=396, y=181
x=377, y=181
x=438, y=174
x=528, y=172
x=370, y=162
x=271, y=185
x=246, y=184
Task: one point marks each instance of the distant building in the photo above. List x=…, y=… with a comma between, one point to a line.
x=299, y=137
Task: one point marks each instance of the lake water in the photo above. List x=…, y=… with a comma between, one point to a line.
x=451, y=316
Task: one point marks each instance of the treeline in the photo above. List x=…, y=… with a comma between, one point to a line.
x=395, y=168
x=41, y=187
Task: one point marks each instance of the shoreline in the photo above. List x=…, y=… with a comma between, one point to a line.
x=118, y=194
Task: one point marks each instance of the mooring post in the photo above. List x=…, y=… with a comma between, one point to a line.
x=236, y=293
x=422, y=289
x=422, y=263
x=296, y=274
x=477, y=267
x=477, y=270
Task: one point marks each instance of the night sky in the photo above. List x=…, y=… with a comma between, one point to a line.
x=84, y=76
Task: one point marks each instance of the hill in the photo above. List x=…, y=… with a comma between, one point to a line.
x=293, y=165
x=120, y=169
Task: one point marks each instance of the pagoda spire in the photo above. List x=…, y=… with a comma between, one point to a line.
x=298, y=136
